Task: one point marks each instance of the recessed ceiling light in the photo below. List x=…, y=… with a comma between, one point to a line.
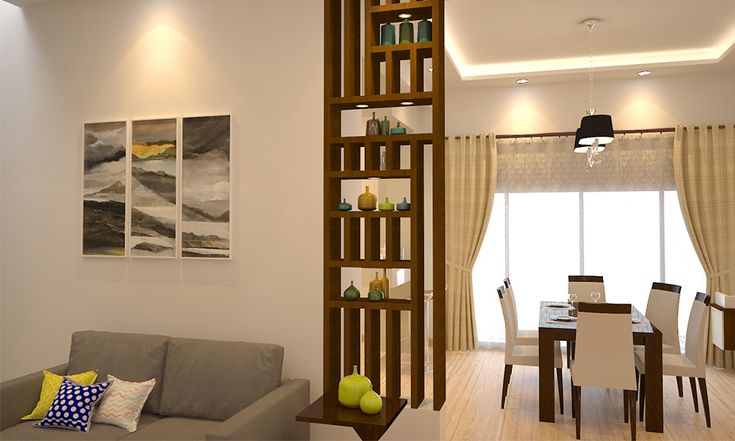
x=644, y=73
x=407, y=103
x=362, y=106
x=430, y=69
x=404, y=15
x=522, y=81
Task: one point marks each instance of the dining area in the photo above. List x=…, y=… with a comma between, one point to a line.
x=584, y=343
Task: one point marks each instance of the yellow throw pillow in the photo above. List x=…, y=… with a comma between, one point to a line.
x=50, y=387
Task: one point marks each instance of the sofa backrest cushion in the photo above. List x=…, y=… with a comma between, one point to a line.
x=216, y=379
x=130, y=357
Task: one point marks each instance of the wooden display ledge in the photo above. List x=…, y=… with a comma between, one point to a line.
x=327, y=410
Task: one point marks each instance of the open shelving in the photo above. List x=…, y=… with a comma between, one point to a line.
x=352, y=77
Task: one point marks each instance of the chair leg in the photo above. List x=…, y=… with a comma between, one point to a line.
x=705, y=400
x=569, y=354
x=693, y=384
x=637, y=381
x=578, y=394
x=680, y=386
x=574, y=398
x=626, y=404
x=506, y=380
x=642, y=397
x=632, y=415
x=560, y=382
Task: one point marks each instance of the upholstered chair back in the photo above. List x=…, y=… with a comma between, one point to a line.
x=696, y=339
x=584, y=286
x=663, y=311
x=510, y=298
x=510, y=327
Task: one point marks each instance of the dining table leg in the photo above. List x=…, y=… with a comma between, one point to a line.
x=547, y=406
x=654, y=383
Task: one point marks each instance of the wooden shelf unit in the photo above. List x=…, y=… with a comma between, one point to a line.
x=353, y=239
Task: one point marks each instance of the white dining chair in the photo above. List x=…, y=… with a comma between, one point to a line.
x=523, y=355
x=523, y=336
x=692, y=363
x=584, y=286
x=604, y=356
x=663, y=311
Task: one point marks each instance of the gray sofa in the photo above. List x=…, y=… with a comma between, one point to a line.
x=205, y=390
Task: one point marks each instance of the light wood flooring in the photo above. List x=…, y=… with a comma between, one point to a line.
x=474, y=381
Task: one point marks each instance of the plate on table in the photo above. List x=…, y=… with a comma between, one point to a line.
x=557, y=305
x=565, y=318
x=636, y=322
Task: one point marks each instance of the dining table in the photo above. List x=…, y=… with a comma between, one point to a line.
x=551, y=329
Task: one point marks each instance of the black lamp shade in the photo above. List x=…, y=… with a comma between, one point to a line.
x=596, y=127
x=579, y=148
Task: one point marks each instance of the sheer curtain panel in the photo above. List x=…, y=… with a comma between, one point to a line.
x=471, y=173
x=704, y=167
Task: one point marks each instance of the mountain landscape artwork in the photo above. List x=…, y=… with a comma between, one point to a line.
x=103, y=223
x=153, y=189
x=205, y=174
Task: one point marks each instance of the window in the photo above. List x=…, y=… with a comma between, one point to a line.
x=632, y=238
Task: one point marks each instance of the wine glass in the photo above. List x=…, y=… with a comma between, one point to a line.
x=572, y=298
x=595, y=296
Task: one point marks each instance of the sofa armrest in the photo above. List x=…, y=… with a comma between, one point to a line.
x=19, y=396
x=272, y=417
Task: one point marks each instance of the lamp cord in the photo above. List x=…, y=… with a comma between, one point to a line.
x=590, y=26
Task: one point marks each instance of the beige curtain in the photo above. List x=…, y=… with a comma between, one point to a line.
x=704, y=167
x=471, y=173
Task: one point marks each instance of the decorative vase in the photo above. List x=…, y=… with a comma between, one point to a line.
x=387, y=34
x=403, y=206
x=351, y=293
x=385, y=126
x=375, y=283
x=367, y=201
x=344, y=206
x=352, y=388
x=398, y=130
x=385, y=283
x=386, y=206
x=371, y=403
x=383, y=159
x=375, y=295
x=373, y=126
x=406, y=32
x=424, y=31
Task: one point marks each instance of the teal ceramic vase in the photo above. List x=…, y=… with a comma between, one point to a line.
x=403, y=205
x=424, y=31
x=386, y=206
x=375, y=295
x=351, y=293
x=387, y=34
x=398, y=130
x=406, y=32
x=344, y=206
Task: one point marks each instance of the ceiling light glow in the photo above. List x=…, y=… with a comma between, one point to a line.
x=404, y=16
x=522, y=81
x=362, y=106
x=644, y=73
x=407, y=103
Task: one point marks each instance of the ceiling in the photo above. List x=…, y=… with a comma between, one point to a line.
x=28, y=3
x=496, y=40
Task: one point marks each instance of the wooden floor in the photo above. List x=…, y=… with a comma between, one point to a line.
x=474, y=381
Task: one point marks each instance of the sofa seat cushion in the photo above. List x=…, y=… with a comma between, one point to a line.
x=214, y=380
x=188, y=429
x=98, y=432
x=131, y=357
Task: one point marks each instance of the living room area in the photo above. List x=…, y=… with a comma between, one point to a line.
x=254, y=196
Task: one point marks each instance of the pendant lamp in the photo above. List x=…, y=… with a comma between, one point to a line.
x=594, y=129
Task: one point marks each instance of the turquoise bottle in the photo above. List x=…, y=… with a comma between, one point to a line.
x=387, y=34
x=424, y=31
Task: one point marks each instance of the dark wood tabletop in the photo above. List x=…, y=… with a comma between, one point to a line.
x=547, y=315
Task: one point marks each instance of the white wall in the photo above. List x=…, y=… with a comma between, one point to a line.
x=635, y=103
x=76, y=61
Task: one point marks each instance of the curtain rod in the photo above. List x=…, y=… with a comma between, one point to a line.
x=559, y=134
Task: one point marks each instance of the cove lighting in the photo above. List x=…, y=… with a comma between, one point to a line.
x=362, y=106
x=407, y=103
x=522, y=81
x=644, y=73
x=404, y=16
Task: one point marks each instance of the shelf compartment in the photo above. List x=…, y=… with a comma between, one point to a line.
x=328, y=410
x=403, y=48
x=368, y=174
x=364, y=303
x=376, y=213
x=361, y=263
x=419, y=10
x=420, y=138
x=382, y=101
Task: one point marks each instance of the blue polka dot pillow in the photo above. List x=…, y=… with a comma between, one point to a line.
x=73, y=406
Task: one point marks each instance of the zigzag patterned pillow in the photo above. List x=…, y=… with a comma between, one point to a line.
x=73, y=406
x=123, y=403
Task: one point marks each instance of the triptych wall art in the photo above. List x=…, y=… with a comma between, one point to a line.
x=166, y=196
